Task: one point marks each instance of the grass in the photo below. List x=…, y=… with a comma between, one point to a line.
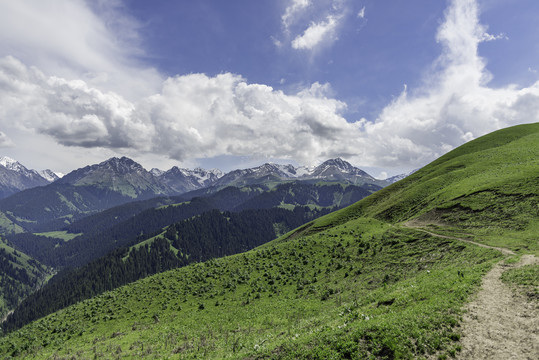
x=63, y=235
x=525, y=279
x=9, y=226
x=488, y=188
x=390, y=290
x=527, y=275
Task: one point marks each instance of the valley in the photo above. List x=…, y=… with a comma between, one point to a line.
x=58, y=224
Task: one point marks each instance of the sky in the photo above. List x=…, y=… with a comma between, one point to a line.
x=387, y=85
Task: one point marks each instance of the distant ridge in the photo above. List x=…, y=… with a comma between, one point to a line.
x=44, y=205
x=129, y=178
x=330, y=170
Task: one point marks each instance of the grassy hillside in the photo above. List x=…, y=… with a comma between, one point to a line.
x=487, y=189
x=362, y=282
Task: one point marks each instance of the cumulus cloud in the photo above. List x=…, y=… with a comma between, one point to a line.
x=454, y=105
x=201, y=116
x=5, y=141
x=192, y=116
x=70, y=111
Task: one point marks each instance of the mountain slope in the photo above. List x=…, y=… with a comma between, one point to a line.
x=202, y=237
x=118, y=181
x=121, y=175
x=78, y=194
x=50, y=207
x=121, y=226
x=352, y=284
x=19, y=276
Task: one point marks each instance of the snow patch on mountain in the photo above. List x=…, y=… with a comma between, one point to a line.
x=12, y=164
x=49, y=175
x=156, y=172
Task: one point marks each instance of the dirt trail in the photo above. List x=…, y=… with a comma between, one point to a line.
x=499, y=323
x=503, y=250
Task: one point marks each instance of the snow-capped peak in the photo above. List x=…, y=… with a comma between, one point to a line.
x=14, y=165
x=11, y=164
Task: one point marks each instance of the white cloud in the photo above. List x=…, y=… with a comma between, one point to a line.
x=361, y=13
x=308, y=25
x=292, y=11
x=69, y=111
x=199, y=116
x=67, y=38
x=192, y=116
x=489, y=37
x=316, y=34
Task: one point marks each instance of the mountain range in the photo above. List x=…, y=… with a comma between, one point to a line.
x=128, y=178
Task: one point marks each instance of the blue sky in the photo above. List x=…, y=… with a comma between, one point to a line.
x=387, y=85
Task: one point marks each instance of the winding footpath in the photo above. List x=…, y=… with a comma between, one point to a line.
x=499, y=323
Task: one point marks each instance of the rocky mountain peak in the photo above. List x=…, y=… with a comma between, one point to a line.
x=121, y=165
x=337, y=163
